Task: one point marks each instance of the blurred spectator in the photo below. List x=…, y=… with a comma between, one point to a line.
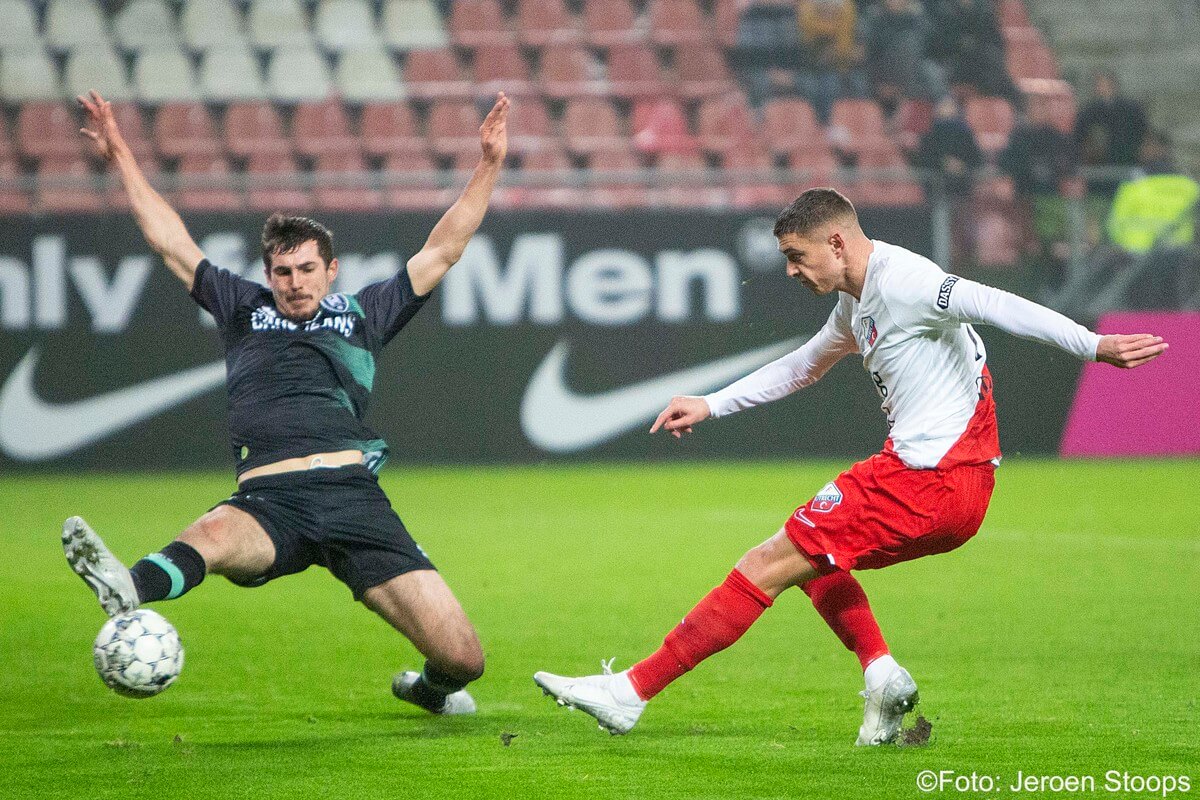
x=1157, y=154
x=833, y=55
x=895, y=34
x=768, y=53
x=1109, y=131
x=969, y=44
x=949, y=148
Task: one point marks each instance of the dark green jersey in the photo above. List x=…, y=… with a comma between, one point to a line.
x=297, y=388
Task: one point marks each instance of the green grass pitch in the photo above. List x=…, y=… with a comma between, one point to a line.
x=1063, y=640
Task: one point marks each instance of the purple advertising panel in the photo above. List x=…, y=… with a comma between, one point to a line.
x=1147, y=411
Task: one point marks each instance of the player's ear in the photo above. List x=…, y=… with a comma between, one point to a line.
x=333, y=269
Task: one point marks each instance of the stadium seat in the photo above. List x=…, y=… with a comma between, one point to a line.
x=163, y=75
x=530, y=128
x=543, y=22
x=750, y=178
x=28, y=75
x=185, y=129
x=297, y=74
x=210, y=23
x=858, y=124
x=48, y=129
x=323, y=129
x=97, y=67
x=703, y=72
x=133, y=130
x=678, y=23
x=611, y=22
x=817, y=165
x=255, y=129
x=570, y=71
x=413, y=25
x=887, y=180
x=144, y=23
x=726, y=14
x=275, y=184
x=501, y=66
x=343, y=24
x=391, y=129
x=725, y=122
x=1027, y=55
x=790, y=123
x=615, y=181
x=473, y=23
x=591, y=125
x=18, y=20
x=13, y=199
x=368, y=73
x=277, y=23
x=1012, y=14
x=205, y=184
x=991, y=118
x=634, y=71
x=453, y=127
x=410, y=183
x=434, y=74
x=231, y=74
x=73, y=23
x=550, y=185
x=913, y=120
x=343, y=183
x=65, y=184
x=683, y=180
x=660, y=126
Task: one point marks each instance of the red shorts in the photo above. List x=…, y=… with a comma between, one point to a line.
x=881, y=512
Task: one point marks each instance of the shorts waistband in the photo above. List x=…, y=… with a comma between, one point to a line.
x=344, y=474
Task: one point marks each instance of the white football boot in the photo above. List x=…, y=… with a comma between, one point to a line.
x=610, y=698
x=100, y=569
x=893, y=696
x=459, y=702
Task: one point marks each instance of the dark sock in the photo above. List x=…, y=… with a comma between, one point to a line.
x=430, y=690
x=169, y=573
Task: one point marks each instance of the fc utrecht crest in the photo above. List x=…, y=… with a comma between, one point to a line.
x=870, y=333
x=827, y=499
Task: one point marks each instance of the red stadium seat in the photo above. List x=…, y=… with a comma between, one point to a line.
x=991, y=118
x=887, y=180
x=913, y=120
x=342, y=183
x=474, y=23
x=591, y=125
x=453, y=127
x=634, y=71
x=543, y=22
x=789, y=124
x=660, y=126
x=678, y=23
x=435, y=74
x=725, y=122
x=183, y=129
x=391, y=128
x=66, y=185
x=749, y=176
x=554, y=191
x=619, y=188
x=683, y=182
x=204, y=184
x=133, y=129
x=501, y=67
x=1028, y=56
x=530, y=128
x=703, y=71
x=860, y=123
x=320, y=129
x=404, y=190
x=13, y=199
x=48, y=129
x=569, y=71
x=817, y=163
x=726, y=16
x=255, y=128
x=274, y=184
x=610, y=22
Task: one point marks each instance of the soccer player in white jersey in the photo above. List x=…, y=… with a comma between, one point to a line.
x=925, y=493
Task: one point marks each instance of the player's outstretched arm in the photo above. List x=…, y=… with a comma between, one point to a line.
x=162, y=227
x=681, y=414
x=449, y=237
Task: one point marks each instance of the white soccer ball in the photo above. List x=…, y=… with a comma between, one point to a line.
x=138, y=654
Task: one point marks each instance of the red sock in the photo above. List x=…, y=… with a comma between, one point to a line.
x=716, y=622
x=840, y=599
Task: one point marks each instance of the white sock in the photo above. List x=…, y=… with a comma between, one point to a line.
x=623, y=690
x=878, y=671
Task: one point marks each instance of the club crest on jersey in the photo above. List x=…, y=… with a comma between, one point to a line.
x=335, y=303
x=870, y=332
x=827, y=499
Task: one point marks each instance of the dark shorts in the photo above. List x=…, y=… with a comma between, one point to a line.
x=337, y=518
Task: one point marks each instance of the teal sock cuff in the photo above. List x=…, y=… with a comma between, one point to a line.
x=173, y=572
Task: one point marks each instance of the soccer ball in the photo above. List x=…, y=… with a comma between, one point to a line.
x=138, y=654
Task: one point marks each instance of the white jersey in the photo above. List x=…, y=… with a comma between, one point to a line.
x=929, y=366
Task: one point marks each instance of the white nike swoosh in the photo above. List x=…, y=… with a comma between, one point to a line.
x=559, y=420
x=33, y=430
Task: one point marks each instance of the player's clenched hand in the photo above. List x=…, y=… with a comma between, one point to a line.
x=682, y=413
x=493, y=133
x=101, y=125
x=1129, y=350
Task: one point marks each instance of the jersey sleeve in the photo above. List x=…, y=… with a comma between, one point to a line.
x=220, y=292
x=929, y=299
x=799, y=368
x=389, y=305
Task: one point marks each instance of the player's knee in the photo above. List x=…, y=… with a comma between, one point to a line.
x=465, y=661
x=210, y=537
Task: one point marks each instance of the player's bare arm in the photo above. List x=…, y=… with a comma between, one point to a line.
x=454, y=230
x=159, y=223
x=681, y=414
x=1129, y=350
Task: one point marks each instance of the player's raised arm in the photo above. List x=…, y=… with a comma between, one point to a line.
x=162, y=227
x=449, y=237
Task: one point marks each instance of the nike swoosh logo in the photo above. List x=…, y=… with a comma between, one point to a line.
x=34, y=430
x=559, y=420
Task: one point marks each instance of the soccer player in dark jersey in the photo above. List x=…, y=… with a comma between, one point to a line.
x=300, y=370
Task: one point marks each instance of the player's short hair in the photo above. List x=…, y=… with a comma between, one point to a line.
x=811, y=210
x=283, y=234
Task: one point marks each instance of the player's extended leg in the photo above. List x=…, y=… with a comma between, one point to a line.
x=421, y=606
